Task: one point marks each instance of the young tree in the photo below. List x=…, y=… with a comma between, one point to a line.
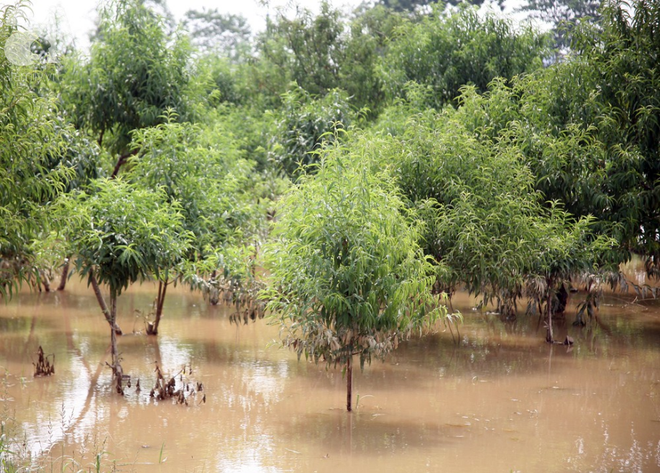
x=203, y=171
x=120, y=234
x=368, y=35
x=32, y=170
x=135, y=72
x=622, y=54
x=307, y=47
x=486, y=222
x=347, y=275
x=305, y=122
x=587, y=127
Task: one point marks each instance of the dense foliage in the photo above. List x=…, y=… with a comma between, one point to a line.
x=135, y=72
x=347, y=275
x=33, y=168
x=426, y=149
x=445, y=52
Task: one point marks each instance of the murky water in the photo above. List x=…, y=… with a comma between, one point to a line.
x=499, y=400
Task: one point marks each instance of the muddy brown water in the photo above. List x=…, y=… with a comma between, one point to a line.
x=499, y=400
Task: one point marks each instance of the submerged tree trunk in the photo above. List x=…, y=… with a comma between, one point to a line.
x=152, y=327
x=214, y=291
x=117, y=371
x=549, y=335
x=65, y=275
x=104, y=307
x=45, y=281
x=349, y=383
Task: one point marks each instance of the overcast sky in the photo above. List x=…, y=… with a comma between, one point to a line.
x=77, y=16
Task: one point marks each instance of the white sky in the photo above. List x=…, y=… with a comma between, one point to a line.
x=77, y=16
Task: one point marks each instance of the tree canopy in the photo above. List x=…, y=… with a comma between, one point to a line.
x=347, y=275
x=33, y=170
x=427, y=150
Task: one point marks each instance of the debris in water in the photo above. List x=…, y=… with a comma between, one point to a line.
x=43, y=367
x=177, y=388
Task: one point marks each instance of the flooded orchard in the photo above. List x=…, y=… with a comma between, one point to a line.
x=500, y=399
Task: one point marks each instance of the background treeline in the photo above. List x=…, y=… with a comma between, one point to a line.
x=400, y=151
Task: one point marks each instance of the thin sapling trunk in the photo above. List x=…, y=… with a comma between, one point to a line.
x=117, y=371
x=65, y=275
x=549, y=335
x=104, y=307
x=152, y=327
x=120, y=162
x=349, y=383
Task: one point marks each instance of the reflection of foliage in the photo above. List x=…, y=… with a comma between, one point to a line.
x=181, y=390
x=43, y=366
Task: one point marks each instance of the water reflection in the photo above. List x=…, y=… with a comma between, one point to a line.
x=499, y=399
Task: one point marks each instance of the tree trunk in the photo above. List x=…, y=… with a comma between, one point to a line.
x=120, y=162
x=349, y=383
x=152, y=327
x=214, y=292
x=549, y=335
x=113, y=334
x=65, y=275
x=45, y=281
x=117, y=371
x=104, y=307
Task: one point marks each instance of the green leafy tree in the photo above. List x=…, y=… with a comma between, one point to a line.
x=563, y=15
x=368, y=35
x=305, y=122
x=445, y=52
x=487, y=225
x=33, y=171
x=587, y=127
x=307, y=48
x=327, y=51
x=135, y=72
x=622, y=54
x=120, y=234
x=203, y=171
x=214, y=32
x=347, y=275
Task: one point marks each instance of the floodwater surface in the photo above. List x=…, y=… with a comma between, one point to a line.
x=494, y=398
